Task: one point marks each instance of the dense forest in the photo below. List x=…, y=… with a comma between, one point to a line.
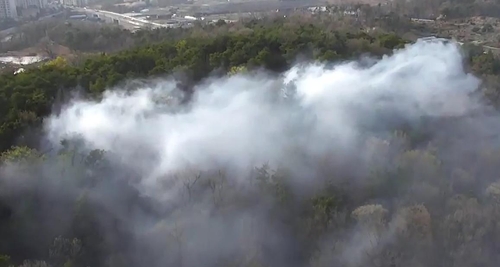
x=31, y=95
x=416, y=192
x=90, y=37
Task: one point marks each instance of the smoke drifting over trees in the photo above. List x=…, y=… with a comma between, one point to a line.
x=378, y=162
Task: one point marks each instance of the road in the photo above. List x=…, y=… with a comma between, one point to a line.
x=124, y=20
x=491, y=48
x=485, y=47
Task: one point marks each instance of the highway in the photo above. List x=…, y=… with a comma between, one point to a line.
x=127, y=22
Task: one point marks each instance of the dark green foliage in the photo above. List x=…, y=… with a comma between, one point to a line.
x=27, y=97
x=4, y=261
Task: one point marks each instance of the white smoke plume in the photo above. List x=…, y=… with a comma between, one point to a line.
x=243, y=121
x=311, y=114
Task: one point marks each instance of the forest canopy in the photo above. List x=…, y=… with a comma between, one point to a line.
x=397, y=167
x=29, y=96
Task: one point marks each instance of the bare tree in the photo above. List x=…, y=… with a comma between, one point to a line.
x=190, y=183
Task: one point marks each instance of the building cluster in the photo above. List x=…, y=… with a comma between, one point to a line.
x=14, y=9
x=78, y=3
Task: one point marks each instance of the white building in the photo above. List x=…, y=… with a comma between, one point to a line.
x=8, y=9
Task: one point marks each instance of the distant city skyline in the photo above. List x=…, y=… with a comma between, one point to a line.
x=8, y=9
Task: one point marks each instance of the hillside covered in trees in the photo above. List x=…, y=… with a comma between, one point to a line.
x=31, y=95
x=280, y=144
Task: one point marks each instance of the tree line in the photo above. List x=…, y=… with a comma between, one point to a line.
x=29, y=96
x=443, y=216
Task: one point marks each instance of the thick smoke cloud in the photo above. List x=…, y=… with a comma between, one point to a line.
x=293, y=122
x=243, y=121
